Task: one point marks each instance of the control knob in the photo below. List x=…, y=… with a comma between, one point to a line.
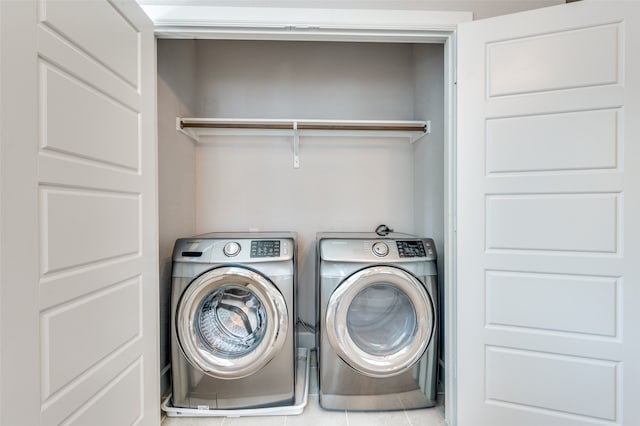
x=380, y=249
x=231, y=249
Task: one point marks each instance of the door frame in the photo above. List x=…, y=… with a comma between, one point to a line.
x=440, y=28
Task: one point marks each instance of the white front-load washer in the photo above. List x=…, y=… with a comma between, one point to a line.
x=377, y=343
x=232, y=325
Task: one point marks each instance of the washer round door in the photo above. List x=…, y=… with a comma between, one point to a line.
x=231, y=321
x=380, y=321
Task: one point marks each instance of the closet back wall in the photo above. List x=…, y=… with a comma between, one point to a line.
x=341, y=185
x=287, y=79
x=247, y=183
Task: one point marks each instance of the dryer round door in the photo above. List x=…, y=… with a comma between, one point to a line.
x=380, y=321
x=231, y=321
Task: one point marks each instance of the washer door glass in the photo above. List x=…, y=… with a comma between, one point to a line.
x=231, y=321
x=380, y=321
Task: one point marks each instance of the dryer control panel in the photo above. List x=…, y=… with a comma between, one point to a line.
x=413, y=248
x=377, y=249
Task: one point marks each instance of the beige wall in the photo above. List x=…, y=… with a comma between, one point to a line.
x=176, y=176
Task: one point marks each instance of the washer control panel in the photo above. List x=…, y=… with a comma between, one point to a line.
x=230, y=249
x=380, y=249
x=265, y=248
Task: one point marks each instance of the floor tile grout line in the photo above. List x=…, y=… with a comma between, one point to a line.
x=406, y=415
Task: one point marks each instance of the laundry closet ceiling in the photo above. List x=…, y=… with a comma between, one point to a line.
x=479, y=8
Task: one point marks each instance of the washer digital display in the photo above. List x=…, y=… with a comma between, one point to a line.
x=265, y=248
x=411, y=249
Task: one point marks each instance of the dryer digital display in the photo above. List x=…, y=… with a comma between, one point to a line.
x=411, y=249
x=265, y=248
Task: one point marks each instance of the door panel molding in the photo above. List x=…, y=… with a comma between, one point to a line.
x=548, y=216
x=78, y=214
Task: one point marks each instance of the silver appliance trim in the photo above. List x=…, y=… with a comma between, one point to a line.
x=271, y=343
x=379, y=365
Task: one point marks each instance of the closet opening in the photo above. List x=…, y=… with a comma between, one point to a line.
x=230, y=180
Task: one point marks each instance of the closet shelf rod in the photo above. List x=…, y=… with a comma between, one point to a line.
x=305, y=126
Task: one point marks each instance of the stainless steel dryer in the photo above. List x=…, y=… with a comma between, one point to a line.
x=233, y=321
x=377, y=315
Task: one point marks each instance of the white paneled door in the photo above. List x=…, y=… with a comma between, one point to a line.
x=548, y=212
x=79, y=295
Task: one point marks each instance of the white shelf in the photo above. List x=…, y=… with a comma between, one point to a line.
x=199, y=128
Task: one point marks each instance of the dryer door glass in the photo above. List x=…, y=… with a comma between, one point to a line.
x=380, y=321
x=231, y=321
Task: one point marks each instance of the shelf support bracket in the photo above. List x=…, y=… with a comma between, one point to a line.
x=296, y=146
x=427, y=130
x=188, y=133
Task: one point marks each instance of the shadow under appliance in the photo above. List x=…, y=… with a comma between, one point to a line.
x=377, y=310
x=232, y=325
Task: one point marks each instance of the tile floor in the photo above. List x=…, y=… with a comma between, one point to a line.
x=313, y=415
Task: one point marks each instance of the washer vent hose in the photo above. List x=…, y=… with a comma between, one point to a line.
x=383, y=230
